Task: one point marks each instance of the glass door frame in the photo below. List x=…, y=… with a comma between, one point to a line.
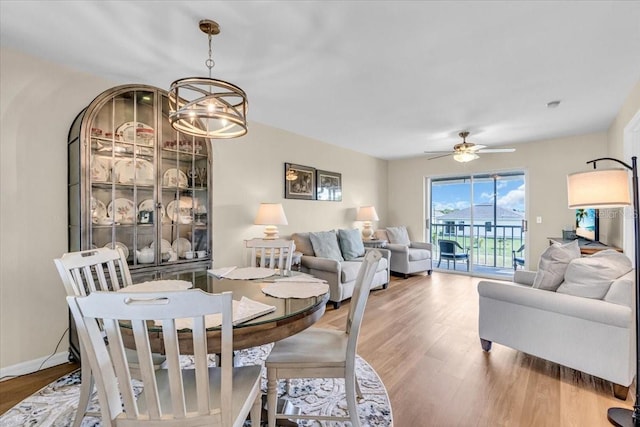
x=473, y=233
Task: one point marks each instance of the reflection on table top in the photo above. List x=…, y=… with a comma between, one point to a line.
x=291, y=315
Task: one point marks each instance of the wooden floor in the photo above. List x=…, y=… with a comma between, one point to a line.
x=420, y=335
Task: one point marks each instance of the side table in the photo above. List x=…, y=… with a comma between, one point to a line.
x=377, y=243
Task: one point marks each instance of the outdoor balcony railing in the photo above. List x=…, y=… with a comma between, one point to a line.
x=492, y=244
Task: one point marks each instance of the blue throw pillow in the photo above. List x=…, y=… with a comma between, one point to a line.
x=351, y=244
x=325, y=245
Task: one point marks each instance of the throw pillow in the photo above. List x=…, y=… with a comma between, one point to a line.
x=591, y=277
x=350, y=244
x=325, y=245
x=398, y=235
x=553, y=264
x=303, y=243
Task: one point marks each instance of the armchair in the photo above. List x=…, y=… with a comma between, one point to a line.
x=518, y=260
x=448, y=251
x=407, y=257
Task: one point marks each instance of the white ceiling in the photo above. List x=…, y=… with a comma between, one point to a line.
x=388, y=78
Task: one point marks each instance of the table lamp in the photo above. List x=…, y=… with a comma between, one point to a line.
x=271, y=215
x=609, y=188
x=367, y=214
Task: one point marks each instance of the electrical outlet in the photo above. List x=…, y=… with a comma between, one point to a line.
x=538, y=220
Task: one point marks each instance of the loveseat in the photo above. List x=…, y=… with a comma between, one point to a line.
x=336, y=258
x=586, y=323
x=407, y=257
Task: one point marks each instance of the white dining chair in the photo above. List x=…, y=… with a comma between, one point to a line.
x=213, y=396
x=85, y=272
x=266, y=253
x=323, y=353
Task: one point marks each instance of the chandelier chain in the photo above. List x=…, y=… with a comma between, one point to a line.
x=209, y=62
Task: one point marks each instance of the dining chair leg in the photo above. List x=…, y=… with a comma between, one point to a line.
x=358, y=391
x=256, y=412
x=272, y=397
x=352, y=405
x=86, y=387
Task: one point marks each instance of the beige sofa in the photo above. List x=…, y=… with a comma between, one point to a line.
x=339, y=274
x=596, y=336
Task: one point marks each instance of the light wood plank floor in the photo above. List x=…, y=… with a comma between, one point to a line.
x=420, y=335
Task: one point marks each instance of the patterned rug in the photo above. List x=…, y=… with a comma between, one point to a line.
x=55, y=404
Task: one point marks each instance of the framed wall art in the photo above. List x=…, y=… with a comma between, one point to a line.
x=299, y=182
x=329, y=186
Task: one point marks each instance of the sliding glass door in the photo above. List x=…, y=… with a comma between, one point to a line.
x=477, y=222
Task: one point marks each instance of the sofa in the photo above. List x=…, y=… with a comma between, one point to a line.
x=336, y=258
x=407, y=257
x=581, y=324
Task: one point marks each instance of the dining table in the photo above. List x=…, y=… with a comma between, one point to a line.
x=291, y=315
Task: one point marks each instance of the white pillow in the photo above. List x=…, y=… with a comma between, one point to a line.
x=553, y=264
x=398, y=235
x=591, y=277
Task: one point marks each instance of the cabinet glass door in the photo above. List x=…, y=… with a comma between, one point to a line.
x=122, y=173
x=184, y=166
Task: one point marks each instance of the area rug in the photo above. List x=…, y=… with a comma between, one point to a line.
x=55, y=404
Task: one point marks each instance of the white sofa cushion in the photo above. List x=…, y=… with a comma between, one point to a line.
x=349, y=270
x=325, y=245
x=553, y=264
x=591, y=277
x=622, y=290
x=398, y=235
x=419, y=254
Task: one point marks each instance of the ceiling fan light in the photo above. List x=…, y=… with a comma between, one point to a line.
x=465, y=157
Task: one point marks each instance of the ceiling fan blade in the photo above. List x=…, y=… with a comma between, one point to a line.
x=497, y=150
x=475, y=148
x=441, y=155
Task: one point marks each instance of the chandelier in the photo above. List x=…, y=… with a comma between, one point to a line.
x=207, y=107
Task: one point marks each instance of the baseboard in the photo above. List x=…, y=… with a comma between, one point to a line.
x=31, y=366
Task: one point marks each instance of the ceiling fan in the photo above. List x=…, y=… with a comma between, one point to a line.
x=467, y=151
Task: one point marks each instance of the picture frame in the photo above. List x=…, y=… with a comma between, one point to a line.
x=329, y=186
x=303, y=185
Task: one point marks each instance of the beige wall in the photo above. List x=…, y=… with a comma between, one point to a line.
x=38, y=104
x=250, y=170
x=546, y=164
x=616, y=139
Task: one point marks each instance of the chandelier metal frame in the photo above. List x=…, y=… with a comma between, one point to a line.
x=208, y=107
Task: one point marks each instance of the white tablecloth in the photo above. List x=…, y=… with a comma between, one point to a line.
x=299, y=289
x=243, y=273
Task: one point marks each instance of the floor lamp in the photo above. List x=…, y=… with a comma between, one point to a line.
x=609, y=188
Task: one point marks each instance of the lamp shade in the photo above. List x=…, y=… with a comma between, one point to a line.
x=601, y=188
x=367, y=213
x=271, y=214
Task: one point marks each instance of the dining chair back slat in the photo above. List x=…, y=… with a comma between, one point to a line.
x=276, y=253
x=79, y=271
